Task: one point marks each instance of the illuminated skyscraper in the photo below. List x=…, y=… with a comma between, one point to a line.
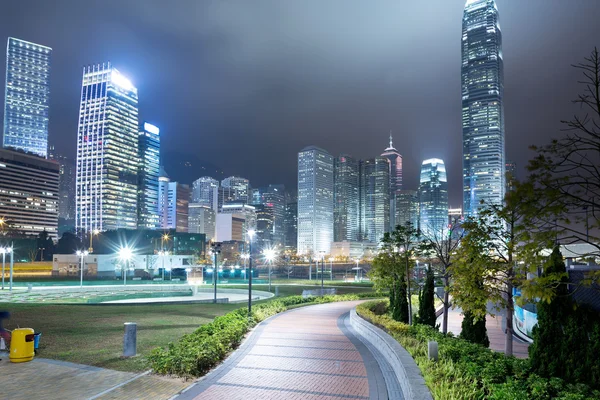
x=315, y=201
x=148, y=172
x=395, y=179
x=346, y=182
x=202, y=219
x=482, y=108
x=375, y=181
x=239, y=187
x=107, y=151
x=27, y=97
x=205, y=190
x=433, y=198
x=173, y=204
x=407, y=208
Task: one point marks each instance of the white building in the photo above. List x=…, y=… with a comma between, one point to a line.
x=107, y=151
x=315, y=201
x=202, y=219
x=354, y=250
x=230, y=227
x=247, y=212
x=173, y=205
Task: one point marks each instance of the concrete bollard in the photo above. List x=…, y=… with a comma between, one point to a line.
x=276, y=290
x=130, y=339
x=432, y=350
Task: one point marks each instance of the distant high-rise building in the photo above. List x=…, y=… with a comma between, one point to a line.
x=395, y=178
x=265, y=222
x=148, y=173
x=511, y=173
x=107, y=151
x=315, y=201
x=346, y=181
x=407, y=208
x=375, y=183
x=202, y=219
x=291, y=225
x=173, y=203
x=66, y=186
x=482, y=106
x=273, y=198
x=454, y=214
x=205, y=190
x=247, y=211
x=27, y=97
x=230, y=227
x=28, y=193
x=433, y=198
x=240, y=188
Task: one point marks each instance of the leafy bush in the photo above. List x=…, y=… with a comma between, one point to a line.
x=196, y=353
x=470, y=371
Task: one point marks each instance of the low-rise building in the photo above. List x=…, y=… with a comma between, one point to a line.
x=353, y=250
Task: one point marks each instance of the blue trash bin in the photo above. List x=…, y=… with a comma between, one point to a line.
x=36, y=340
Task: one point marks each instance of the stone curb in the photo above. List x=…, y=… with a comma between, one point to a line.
x=406, y=370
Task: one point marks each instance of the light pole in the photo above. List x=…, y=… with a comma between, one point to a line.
x=3, y=251
x=216, y=249
x=81, y=255
x=331, y=267
x=245, y=258
x=42, y=254
x=12, y=259
x=322, y=271
x=357, y=268
x=125, y=254
x=269, y=257
x=92, y=233
x=163, y=254
x=251, y=233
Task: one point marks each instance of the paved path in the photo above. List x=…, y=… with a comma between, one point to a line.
x=305, y=353
x=495, y=329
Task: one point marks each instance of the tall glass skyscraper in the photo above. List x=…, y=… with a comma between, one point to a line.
x=482, y=108
x=239, y=188
x=27, y=97
x=433, y=198
x=315, y=201
x=407, y=208
x=375, y=183
x=395, y=179
x=148, y=172
x=346, y=181
x=107, y=151
x=205, y=191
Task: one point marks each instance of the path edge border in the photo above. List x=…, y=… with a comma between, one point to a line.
x=405, y=368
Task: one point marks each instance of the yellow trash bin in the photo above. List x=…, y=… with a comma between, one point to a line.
x=21, y=345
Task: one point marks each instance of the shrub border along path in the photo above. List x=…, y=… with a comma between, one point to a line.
x=469, y=371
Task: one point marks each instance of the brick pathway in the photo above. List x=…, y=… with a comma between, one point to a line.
x=306, y=353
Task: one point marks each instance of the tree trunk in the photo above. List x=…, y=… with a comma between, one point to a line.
x=446, y=305
x=508, y=344
x=408, y=294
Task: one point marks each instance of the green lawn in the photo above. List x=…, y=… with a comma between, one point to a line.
x=93, y=335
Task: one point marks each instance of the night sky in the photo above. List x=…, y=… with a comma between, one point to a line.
x=246, y=84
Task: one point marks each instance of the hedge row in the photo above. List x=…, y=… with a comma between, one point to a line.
x=196, y=353
x=470, y=371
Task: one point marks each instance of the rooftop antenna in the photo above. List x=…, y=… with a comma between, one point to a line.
x=391, y=145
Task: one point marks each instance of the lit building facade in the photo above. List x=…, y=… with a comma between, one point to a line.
x=315, y=201
x=205, y=190
x=273, y=198
x=395, y=178
x=290, y=224
x=407, y=208
x=375, y=181
x=107, y=151
x=265, y=223
x=173, y=205
x=66, y=186
x=346, y=181
x=240, y=188
x=482, y=76
x=202, y=219
x=247, y=211
x=433, y=198
x=27, y=97
x=511, y=174
x=29, y=187
x=148, y=173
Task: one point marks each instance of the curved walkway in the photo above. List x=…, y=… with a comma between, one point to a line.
x=305, y=353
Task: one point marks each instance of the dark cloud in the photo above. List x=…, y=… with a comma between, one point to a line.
x=245, y=84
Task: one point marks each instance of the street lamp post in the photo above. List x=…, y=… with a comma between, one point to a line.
x=12, y=259
x=125, y=254
x=81, y=255
x=216, y=249
x=331, y=267
x=92, y=233
x=3, y=251
x=269, y=257
x=163, y=254
x=322, y=272
x=250, y=236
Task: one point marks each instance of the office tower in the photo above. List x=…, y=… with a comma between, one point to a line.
x=28, y=194
x=290, y=224
x=148, y=172
x=482, y=108
x=511, y=173
x=315, y=201
x=107, y=151
x=240, y=188
x=346, y=182
x=173, y=205
x=247, y=211
x=226, y=195
x=273, y=197
x=265, y=222
x=205, y=190
x=407, y=208
x=230, y=227
x=395, y=178
x=433, y=198
x=27, y=97
x=66, y=185
x=202, y=219
x=376, y=185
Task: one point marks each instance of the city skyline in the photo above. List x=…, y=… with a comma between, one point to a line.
x=396, y=82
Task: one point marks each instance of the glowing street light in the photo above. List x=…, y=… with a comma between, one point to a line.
x=269, y=256
x=93, y=233
x=125, y=253
x=4, y=251
x=82, y=255
x=163, y=254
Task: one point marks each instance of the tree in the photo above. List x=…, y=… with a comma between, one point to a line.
x=426, y=314
x=387, y=273
x=45, y=246
x=68, y=243
x=442, y=247
x=474, y=330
